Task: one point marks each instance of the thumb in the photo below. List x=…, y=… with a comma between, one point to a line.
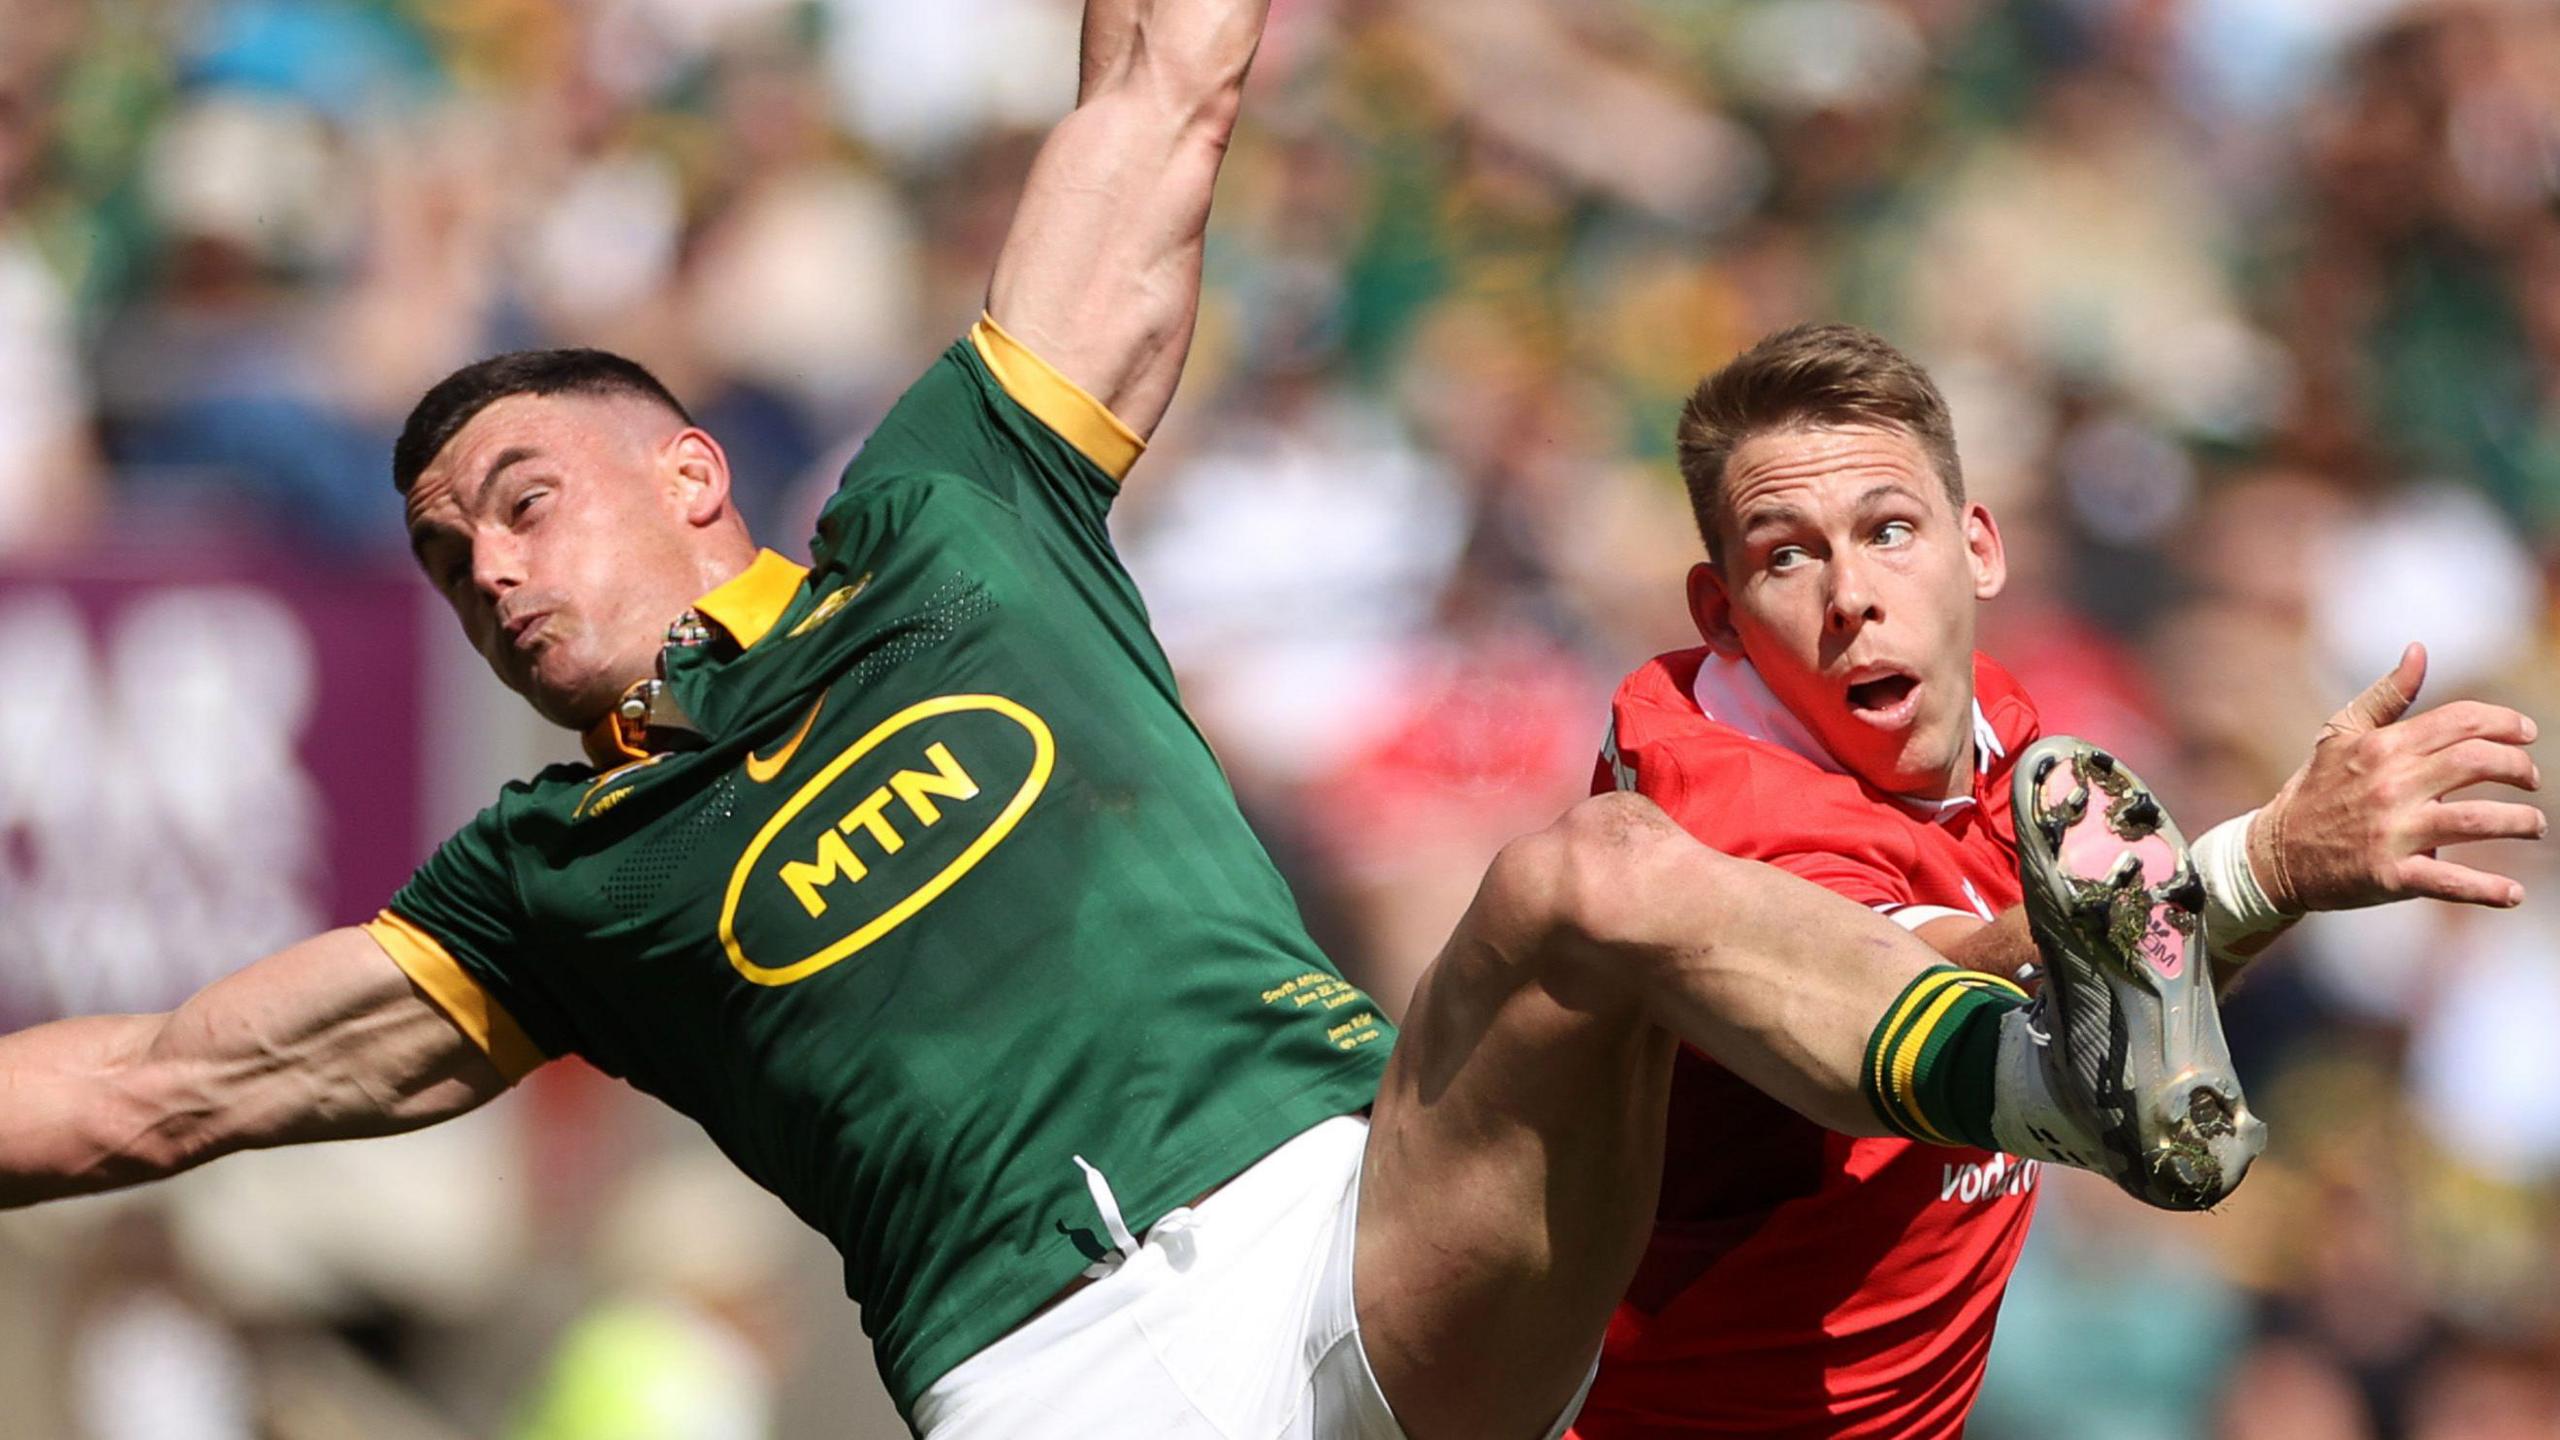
x=2386, y=699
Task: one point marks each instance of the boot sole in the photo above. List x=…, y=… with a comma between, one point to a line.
x=2110, y=886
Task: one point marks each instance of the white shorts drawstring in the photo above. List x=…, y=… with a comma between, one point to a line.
x=1173, y=1230
x=1123, y=1244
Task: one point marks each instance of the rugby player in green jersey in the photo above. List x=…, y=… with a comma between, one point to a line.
x=905, y=874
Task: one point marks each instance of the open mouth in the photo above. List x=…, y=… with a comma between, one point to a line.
x=1883, y=696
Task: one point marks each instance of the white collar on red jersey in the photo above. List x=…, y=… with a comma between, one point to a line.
x=1731, y=693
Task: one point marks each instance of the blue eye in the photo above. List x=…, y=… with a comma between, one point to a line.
x=1894, y=533
x=1787, y=557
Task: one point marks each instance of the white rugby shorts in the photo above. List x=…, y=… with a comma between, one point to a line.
x=1233, y=1319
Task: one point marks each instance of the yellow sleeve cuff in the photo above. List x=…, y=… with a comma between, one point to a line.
x=1058, y=402
x=464, y=1000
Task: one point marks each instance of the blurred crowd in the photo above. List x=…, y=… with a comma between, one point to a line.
x=2248, y=311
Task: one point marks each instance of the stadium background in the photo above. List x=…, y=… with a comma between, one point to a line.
x=2249, y=311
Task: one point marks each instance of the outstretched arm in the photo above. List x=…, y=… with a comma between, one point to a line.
x=325, y=1040
x=2359, y=824
x=1100, y=274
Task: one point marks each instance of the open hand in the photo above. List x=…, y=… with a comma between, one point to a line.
x=2360, y=823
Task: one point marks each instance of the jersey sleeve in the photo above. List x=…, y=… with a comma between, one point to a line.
x=460, y=930
x=991, y=413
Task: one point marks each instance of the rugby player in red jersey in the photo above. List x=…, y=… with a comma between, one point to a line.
x=1838, y=723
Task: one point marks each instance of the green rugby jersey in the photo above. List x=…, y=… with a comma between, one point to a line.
x=952, y=892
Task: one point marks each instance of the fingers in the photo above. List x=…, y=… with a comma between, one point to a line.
x=2459, y=822
x=2444, y=880
x=2466, y=720
x=2478, y=762
x=2386, y=699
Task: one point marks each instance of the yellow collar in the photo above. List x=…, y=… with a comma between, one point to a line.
x=747, y=607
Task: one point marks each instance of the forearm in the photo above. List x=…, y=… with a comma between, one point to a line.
x=102, y=1102
x=326, y=1040
x=1185, y=47
x=1110, y=37
x=1100, y=274
x=2002, y=947
x=71, y=1119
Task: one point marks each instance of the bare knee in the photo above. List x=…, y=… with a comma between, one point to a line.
x=1583, y=876
x=1579, y=900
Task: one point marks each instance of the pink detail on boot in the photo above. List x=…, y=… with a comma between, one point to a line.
x=2090, y=850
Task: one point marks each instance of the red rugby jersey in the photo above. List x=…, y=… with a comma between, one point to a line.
x=1799, y=1282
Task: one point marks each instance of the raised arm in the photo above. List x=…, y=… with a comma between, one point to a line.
x=2359, y=824
x=326, y=1040
x=1100, y=274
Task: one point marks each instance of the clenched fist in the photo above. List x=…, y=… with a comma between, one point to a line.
x=2360, y=823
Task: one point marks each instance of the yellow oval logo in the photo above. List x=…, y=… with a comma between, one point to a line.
x=937, y=767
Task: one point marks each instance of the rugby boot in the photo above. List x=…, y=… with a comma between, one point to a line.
x=2129, y=1037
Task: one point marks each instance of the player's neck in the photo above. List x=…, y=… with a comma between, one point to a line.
x=1955, y=784
x=718, y=564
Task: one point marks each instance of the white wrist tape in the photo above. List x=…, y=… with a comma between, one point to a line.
x=2236, y=907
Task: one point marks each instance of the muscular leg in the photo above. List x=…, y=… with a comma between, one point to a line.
x=1516, y=1149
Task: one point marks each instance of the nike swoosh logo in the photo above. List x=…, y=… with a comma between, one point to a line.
x=761, y=768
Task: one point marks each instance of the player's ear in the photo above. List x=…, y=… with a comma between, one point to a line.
x=1711, y=608
x=1983, y=551
x=697, y=471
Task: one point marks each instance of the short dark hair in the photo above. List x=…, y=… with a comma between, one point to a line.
x=445, y=409
x=1810, y=375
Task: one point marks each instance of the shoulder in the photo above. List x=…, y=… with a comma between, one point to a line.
x=529, y=813
x=1743, y=795
x=908, y=492
x=552, y=787
x=908, y=503
x=1657, y=725
x=990, y=403
x=1659, y=688
x=1653, y=713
